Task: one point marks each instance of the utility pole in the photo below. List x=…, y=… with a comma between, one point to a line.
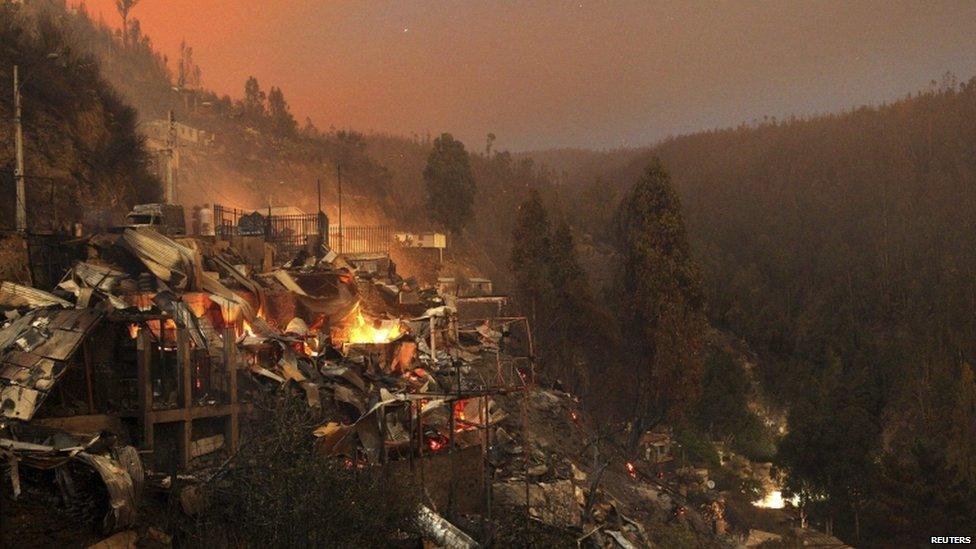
x=19, y=167
x=170, y=192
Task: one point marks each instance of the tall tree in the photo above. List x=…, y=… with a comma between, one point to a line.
x=254, y=99
x=661, y=301
x=188, y=72
x=573, y=312
x=450, y=185
x=124, y=7
x=282, y=122
x=531, y=246
x=830, y=452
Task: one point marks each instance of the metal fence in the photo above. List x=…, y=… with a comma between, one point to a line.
x=291, y=233
x=361, y=240
x=226, y=220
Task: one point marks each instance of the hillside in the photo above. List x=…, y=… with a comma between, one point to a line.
x=841, y=248
x=259, y=154
x=84, y=159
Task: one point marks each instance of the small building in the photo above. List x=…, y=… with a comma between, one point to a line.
x=159, y=130
x=656, y=446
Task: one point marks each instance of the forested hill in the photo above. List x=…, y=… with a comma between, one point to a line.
x=834, y=234
x=844, y=248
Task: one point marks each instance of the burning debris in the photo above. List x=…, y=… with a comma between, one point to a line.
x=165, y=342
x=168, y=344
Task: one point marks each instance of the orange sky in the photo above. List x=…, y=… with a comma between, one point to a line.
x=543, y=74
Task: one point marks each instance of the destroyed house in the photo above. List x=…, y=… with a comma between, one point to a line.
x=166, y=344
x=141, y=375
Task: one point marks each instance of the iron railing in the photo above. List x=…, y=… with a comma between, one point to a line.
x=361, y=240
x=226, y=220
x=291, y=233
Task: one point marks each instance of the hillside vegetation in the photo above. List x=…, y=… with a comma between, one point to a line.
x=842, y=248
x=84, y=159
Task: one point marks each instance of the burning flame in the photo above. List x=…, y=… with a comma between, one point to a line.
x=134, y=330
x=309, y=346
x=247, y=329
x=375, y=331
x=775, y=500
x=461, y=422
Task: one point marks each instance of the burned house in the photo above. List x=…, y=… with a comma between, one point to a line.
x=162, y=345
x=141, y=368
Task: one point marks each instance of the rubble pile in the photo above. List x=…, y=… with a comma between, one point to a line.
x=136, y=371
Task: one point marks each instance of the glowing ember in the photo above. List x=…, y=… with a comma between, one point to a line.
x=574, y=416
x=437, y=442
x=631, y=470
x=374, y=331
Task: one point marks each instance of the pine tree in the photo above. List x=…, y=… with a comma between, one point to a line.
x=282, y=122
x=253, y=102
x=450, y=185
x=531, y=246
x=661, y=301
x=572, y=310
x=124, y=7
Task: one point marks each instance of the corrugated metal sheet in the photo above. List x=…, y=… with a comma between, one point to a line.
x=15, y=295
x=34, y=354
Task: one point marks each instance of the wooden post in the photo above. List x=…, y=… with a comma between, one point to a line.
x=383, y=433
x=528, y=331
x=452, y=455
x=410, y=442
x=144, y=354
x=230, y=364
x=186, y=377
x=86, y=353
x=433, y=341
x=420, y=444
x=485, y=481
